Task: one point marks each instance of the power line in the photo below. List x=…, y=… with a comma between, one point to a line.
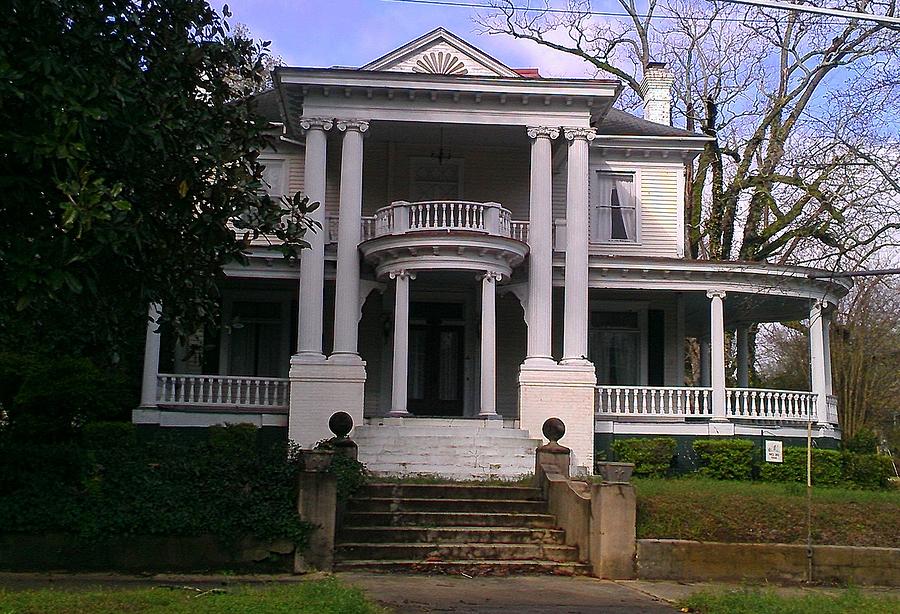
x=819, y=10
x=547, y=9
x=876, y=272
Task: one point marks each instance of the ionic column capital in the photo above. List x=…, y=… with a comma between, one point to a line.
x=357, y=125
x=402, y=274
x=316, y=123
x=490, y=276
x=715, y=294
x=546, y=132
x=587, y=134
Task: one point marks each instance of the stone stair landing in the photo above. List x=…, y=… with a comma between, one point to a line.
x=453, y=528
x=454, y=448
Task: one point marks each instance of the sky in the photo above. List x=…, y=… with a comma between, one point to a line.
x=354, y=32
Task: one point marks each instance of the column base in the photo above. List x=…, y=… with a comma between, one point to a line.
x=539, y=361
x=318, y=390
x=307, y=357
x=580, y=361
x=566, y=392
x=345, y=358
x=490, y=416
x=396, y=413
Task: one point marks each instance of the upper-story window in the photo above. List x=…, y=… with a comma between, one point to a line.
x=274, y=177
x=614, y=216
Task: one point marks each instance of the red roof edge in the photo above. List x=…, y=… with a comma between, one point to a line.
x=528, y=73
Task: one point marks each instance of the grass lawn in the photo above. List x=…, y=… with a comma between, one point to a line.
x=756, y=601
x=757, y=512
x=326, y=596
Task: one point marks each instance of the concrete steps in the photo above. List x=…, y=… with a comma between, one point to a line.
x=452, y=448
x=453, y=528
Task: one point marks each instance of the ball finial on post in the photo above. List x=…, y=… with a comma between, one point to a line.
x=554, y=429
x=340, y=423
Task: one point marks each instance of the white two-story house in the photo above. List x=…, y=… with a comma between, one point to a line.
x=496, y=248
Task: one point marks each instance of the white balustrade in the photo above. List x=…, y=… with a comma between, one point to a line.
x=672, y=401
x=402, y=217
x=367, y=229
x=519, y=231
x=331, y=228
x=765, y=404
x=222, y=390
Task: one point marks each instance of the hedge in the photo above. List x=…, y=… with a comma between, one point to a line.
x=228, y=484
x=725, y=459
x=830, y=468
x=652, y=457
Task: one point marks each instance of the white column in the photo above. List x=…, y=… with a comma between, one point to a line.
x=540, y=243
x=743, y=356
x=399, y=375
x=576, y=311
x=346, y=300
x=826, y=334
x=817, y=371
x=717, y=353
x=489, y=345
x=151, y=358
x=312, y=260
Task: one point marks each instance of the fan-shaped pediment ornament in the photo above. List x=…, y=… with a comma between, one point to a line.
x=440, y=63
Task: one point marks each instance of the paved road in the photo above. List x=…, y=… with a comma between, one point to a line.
x=415, y=594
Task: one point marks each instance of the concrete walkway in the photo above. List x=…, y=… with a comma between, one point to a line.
x=415, y=594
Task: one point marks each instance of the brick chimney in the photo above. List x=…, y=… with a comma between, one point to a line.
x=656, y=88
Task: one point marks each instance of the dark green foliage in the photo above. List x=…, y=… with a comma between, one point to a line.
x=350, y=473
x=830, y=468
x=826, y=467
x=48, y=398
x=128, y=144
x=725, y=459
x=651, y=457
x=866, y=470
x=227, y=484
x=864, y=442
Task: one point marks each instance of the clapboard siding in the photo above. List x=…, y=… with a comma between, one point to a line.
x=659, y=209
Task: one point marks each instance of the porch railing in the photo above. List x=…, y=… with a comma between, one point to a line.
x=765, y=404
x=401, y=217
x=654, y=401
x=222, y=391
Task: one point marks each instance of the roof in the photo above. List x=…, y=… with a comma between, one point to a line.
x=268, y=106
x=620, y=123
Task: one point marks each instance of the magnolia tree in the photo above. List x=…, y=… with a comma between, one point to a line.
x=128, y=155
x=803, y=162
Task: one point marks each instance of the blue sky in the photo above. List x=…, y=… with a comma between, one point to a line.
x=353, y=32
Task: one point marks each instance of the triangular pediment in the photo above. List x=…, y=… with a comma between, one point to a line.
x=441, y=53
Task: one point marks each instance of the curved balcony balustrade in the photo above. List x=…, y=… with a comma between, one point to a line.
x=444, y=234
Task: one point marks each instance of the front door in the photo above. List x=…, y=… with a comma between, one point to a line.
x=436, y=340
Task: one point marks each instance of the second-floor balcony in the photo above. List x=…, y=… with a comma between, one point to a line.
x=443, y=234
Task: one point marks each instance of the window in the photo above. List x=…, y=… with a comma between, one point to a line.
x=274, y=182
x=615, y=347
x=256, y=348
x=614, y=215
x=435, y=179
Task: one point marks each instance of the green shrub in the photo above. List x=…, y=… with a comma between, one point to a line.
x=52, y=398
x=827, y=467
x=863, y=442
x=870, y=471
x=651, y=457
x=224, y=484
x=725, y=459
x=108, y=435
x=350, y=473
